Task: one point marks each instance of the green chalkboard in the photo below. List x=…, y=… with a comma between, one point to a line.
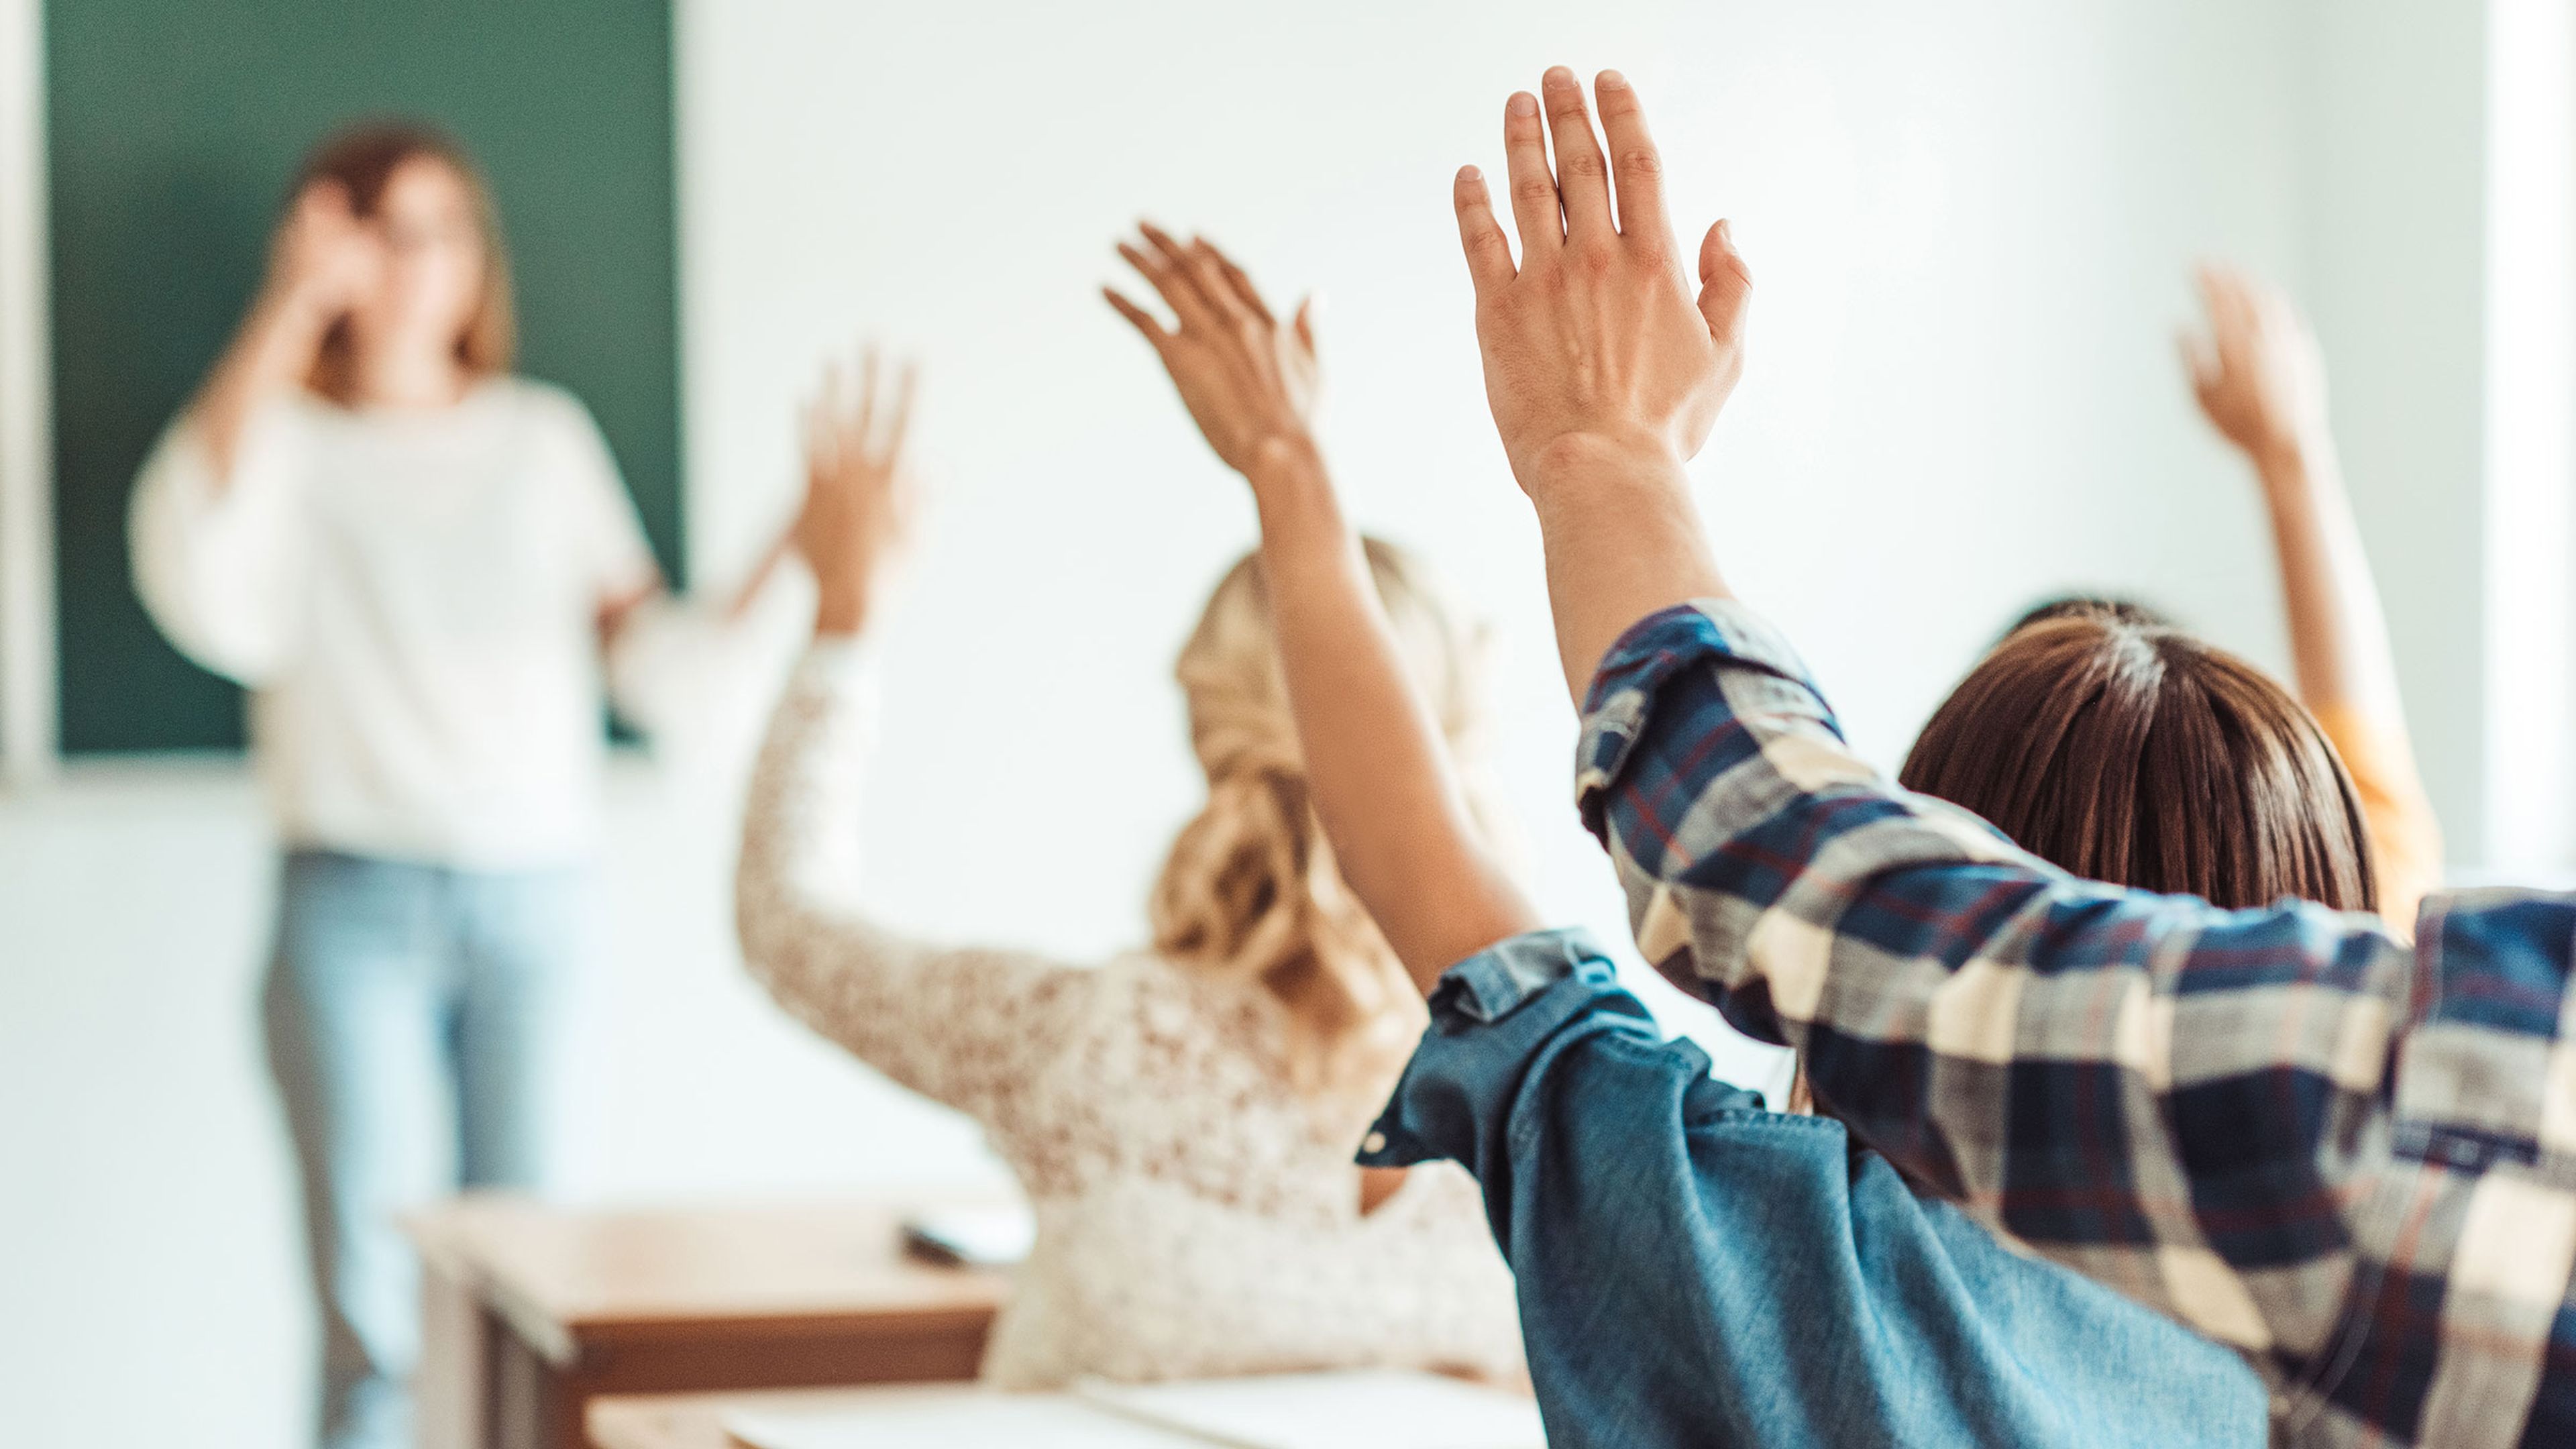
x=174, y=129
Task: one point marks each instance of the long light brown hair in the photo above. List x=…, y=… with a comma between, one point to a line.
x=2129, y=751
x=1250, y=891
x=362, y=158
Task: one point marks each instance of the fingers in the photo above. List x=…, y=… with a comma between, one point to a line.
x=1634, y=161
x=899, y=416
x=326, y=197
x=1155, y=271
x=1235, y=279
x=1535, y=208
x=1489, y=256
x=2279, y=314
x=1582, y=177
x=1143, y=320
x=1209, y=271
x=823, y=429
x=2223, y=291
x=2204, y=280
x=863, y=423
x=2199, y=361
x=1305, y=324
x=867, y=425
x=1162, y=270
x=1186, y=274
x=1725, y=282
x=810, y=422
x=1203, y=285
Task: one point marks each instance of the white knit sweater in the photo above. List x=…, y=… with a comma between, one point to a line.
x=1193, y=1219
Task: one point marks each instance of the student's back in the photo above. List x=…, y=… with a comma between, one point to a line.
x=1182, y=1118
x=1194, y=1217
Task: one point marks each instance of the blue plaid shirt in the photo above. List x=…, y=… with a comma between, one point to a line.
x=2353, y=1162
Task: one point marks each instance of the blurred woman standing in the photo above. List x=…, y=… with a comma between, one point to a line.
x=426, y=570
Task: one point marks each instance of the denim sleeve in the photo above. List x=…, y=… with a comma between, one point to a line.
x=1497, y=1020
x=1693, y=1269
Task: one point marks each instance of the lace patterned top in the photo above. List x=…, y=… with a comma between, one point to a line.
x=1193, y=1217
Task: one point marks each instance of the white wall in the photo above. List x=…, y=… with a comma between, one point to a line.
x=1970, y=231
x=2390, y=137
x=1969, y=224
x=2530, y=436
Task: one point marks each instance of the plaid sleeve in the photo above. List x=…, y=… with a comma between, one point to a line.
x=2180, y=1102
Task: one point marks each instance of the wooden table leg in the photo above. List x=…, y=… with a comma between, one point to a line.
x=535, y=1404
x=451, y=1392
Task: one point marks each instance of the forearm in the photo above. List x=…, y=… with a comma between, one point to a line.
x=2347, y=674
x=1623, y=540
x=2338, y=636
x=1383, y=781
x=268, y=357
x=763, y=570
x=676, y=663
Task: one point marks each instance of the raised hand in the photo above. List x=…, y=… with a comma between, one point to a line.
x=1248, y=381
x=2257, y=371
x=859, y=496
x=1595, y=337
x=324, y=256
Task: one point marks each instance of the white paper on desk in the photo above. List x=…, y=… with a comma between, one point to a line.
x=961, y=1418
x=1352, y=1409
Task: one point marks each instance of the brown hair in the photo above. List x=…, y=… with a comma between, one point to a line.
x=2127, y=611
x=362, y=158
x=1250, y=892
x=2131, y=752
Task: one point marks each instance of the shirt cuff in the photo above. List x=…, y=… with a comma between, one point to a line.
x=1490, y=1016
x=837, y=664
x=1620, y=704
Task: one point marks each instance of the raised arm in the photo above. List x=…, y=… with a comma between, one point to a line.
x=974, y=1029
x=2261, y=381
x=215, y=518
x=1383, y=782
x=323, y=257
x=2164, y=1096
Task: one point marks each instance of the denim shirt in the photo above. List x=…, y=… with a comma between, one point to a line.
x=1694, y=1269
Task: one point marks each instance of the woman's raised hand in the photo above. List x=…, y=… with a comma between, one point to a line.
x=859, y=496
x=324, y=256
x=2257, y=371
x=1249, y=381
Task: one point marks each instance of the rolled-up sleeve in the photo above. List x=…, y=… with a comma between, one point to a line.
x=1497, y=1019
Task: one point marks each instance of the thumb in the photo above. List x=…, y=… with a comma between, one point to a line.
x=1305, y=323
x=1725, y=282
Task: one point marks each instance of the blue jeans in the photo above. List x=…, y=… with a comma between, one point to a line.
x=411, y=1015
x=1693, y=1269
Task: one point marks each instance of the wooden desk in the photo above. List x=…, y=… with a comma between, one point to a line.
x=529, y=1310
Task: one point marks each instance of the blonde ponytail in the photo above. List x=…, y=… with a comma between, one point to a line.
x=1250, y=891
